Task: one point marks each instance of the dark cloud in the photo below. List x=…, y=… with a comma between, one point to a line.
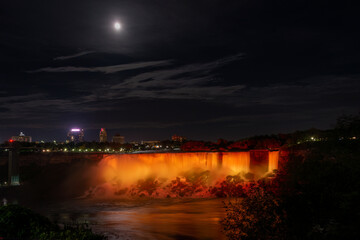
x=74, y=55
x=104, y=69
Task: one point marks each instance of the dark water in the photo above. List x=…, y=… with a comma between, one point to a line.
x=147, y=219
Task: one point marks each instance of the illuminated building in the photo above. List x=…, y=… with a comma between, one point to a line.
x=75, y=135
x=103, y=135
x=118, y=139
x=21, y=138
x=177, y=138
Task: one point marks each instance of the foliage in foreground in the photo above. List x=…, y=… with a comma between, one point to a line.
x=257, y=216
x=17, y=222
x=314, y=196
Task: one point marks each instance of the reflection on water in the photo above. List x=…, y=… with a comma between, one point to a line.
x=153, y=219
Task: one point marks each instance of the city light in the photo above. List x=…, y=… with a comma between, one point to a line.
x=75, y=130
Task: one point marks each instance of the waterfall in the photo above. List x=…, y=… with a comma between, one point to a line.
x=273, y=160
x=128, y=168
x=193, y=174
x=236, y=162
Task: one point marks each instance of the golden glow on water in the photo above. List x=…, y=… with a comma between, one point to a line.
x=145, y=219
x=192, y=220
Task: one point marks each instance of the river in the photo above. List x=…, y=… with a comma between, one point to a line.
x=162, y=219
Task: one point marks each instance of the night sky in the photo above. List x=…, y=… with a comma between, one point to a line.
x=204, y=69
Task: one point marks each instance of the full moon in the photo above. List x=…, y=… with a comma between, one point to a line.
x=117, y=26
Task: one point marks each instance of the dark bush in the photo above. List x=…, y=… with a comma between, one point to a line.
x=257, y=216
x=19, y=223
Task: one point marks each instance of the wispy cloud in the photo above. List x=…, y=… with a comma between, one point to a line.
x=193, y=81
x=183, y=82
x=19, y=98
x=195, y=92
x=104, y=69
x=274, y=104
x=74, y=55
x=177, y=76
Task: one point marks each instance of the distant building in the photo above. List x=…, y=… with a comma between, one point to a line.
x=21, y=138
x=103, y=135
x=150, y=143
x=177, y=138
x=75, y=135
x=118, y=139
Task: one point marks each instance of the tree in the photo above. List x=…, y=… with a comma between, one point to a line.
x=348, y=126
x=257, y=216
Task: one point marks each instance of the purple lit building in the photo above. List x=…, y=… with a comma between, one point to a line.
x=75, y=135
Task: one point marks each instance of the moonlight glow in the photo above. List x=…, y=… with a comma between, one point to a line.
x=117, y=26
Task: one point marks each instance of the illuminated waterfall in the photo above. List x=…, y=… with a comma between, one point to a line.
x=124, y=171
x=129, y=167
x=236, y=162
x=273, y=160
